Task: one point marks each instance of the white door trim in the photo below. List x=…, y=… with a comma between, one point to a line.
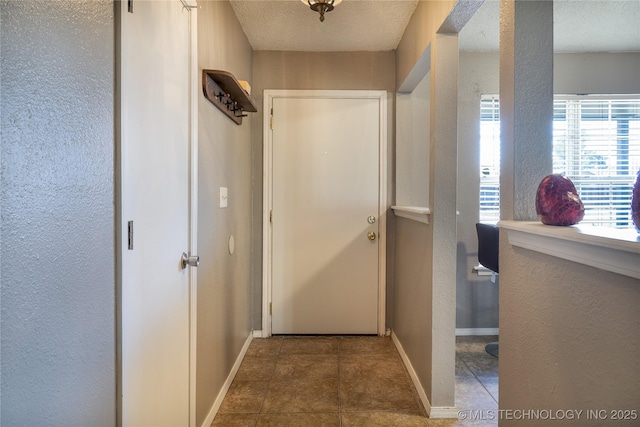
x=267, y=193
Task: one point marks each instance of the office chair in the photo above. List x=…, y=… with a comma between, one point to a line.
x=488, y=253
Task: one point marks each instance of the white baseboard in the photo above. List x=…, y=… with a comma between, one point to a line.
x=476, y=331
x=432, y=411
x=225, y=387
x=444, y=412
x=257, y=334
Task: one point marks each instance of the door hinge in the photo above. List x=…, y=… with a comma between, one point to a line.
x=271, y=120
x=271, y=216
x=130, y=6
x=130, y=235
x=270, y=308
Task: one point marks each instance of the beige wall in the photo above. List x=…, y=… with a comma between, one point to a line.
x=224, y=161
x=412, y=145
x=420, y=32
x=568, y=337
x=313, y=71
x=413, y=297
x=608, y=73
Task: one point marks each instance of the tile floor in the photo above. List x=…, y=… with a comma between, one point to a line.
x=345, y=381
x=476, y=383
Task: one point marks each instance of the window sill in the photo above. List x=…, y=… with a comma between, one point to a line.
x=609, y=249
x=415, y=213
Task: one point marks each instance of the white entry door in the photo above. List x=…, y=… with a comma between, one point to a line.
x=155, y=201
x=326, y=215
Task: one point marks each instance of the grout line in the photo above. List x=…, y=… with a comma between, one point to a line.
x=480, y=382
x=485, y=387
x=478, y=379
x=270, y=379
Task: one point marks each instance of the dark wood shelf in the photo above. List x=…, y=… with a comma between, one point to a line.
x=223, y=90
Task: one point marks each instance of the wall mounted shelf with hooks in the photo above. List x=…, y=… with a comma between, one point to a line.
x=223, y=90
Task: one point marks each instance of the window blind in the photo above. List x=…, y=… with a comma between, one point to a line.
x=596, y=143
x=489, y=159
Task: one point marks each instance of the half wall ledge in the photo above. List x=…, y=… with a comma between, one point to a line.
x=415, y=213
x=610, y=249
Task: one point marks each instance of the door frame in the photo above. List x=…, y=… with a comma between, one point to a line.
x=192, y=8
x=267, y=193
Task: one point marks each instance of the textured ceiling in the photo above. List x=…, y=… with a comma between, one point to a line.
x=378, y=25
x=373, y=25
x=579, y=26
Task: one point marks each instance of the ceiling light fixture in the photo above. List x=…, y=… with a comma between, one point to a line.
x=321, y=6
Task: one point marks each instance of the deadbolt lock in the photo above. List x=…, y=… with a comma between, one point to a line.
x=371, y=219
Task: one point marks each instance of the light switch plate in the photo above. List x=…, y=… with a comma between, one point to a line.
x=224, y=197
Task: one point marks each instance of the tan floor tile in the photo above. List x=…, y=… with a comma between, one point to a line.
x=348, y=381
x=377, y=394
x=235, y=420
x=306, y=395
x=256, y=369
x=299, y=420
x=301, y=366
x=376, y=365
x=367, y=345
x=309, y=345
x=481, y=364
x=264, y=347
x=384, y=419
x=244, y=396
x=471, y=394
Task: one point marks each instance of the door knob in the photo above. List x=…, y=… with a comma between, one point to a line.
x=371, y=235
x=190, y=260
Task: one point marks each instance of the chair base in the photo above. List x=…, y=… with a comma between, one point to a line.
x=492, y=348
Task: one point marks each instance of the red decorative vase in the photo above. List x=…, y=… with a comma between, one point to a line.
x=557, y=201
x=635, y=203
